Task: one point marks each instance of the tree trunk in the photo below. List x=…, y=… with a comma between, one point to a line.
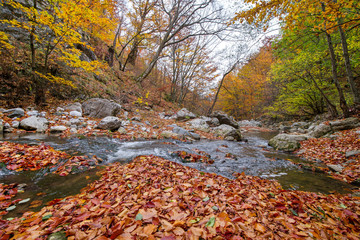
x=38, y=86
x=331, y=107
x=343, y=104
x=349, y=73
x=217, y=93
x=220, y=85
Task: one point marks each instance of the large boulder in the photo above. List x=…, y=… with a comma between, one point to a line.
x=74, y=107
x=287, y=142
x=199, y=124
x=249, y=123
x=225, y=119
x=109, y=123
x=213, y=122
x=15, y=112
x=222, y=130
x=234, y=135
x=185, y=133
x=345, y=124
x=32, y=123
x=320, y=130
x=100, y=108
x=183, y=114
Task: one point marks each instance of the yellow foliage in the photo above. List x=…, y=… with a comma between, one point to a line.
x=55, y=79
x=4, y=41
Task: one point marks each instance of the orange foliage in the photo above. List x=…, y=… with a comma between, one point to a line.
x=245, y=91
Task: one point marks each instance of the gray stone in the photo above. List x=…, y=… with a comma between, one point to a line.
x=148, y=123
x=287, y=142
x=199, y=124
x=15, y=112
x=109, y=123
x=74, y=107
x=211, y=121
x=335, y=167
x=6, y=125
x=222, y=130
x=1, y=126
x=320, y=130
x=122, y=130
x=249, y=123
x=75, y=114
x=34, y=123
x=183, y=114
x=75, y=121
x=57, y=129
x=73, y=130
x=302, y=125
x=42, y=114
x=185, y=133
x=225, y=119
x=345, y=124
x=235, y=134
x=352, y=153
x=60, y=109
x=168, y=134
x=137, y=119
x=33, y=113
x=100, y=108
x=15, y=124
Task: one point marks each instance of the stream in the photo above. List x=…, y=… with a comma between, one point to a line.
x=253, y=157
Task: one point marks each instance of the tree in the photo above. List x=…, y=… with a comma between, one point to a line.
x=57, y=32
x=316, y=16
x=244, y=92
x=179, y=15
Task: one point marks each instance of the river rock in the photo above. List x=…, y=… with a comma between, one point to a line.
x=15, y=112
x=183, y=114
x=320, y=130
x=58, y=129
x=335, y=167
x=352, y=153
x=34, y=123
x=109, y=123
x=225, y=119
x=15, y=124
x=33, y=113
x=345, y=124
x=199, y=124
x=75, y=121
x=249, y=123
x=75, y=114
x=211, y=121
x=100, y=108
x=122, y=130
x=222, y=130
x=185, y=133
x=302, y=125
x=287, y=142
x=233, y=135
x=74, y=107
x=168, y=134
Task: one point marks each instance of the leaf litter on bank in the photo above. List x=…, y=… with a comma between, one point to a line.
x=333, y=151
x=162, y=204
x=23, y=157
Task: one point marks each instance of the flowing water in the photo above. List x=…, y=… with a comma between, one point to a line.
x=253, y=157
